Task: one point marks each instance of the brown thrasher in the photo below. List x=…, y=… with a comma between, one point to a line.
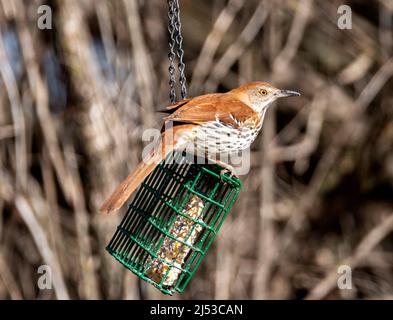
x=214, y=123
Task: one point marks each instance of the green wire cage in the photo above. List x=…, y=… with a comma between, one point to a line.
x=172, y=221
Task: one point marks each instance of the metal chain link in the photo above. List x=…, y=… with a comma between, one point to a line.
x=176, y=40
x=171, y=54
x=180, y=53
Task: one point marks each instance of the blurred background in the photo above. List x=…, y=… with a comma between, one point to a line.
x=75, y=100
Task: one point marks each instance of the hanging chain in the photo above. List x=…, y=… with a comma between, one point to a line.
x=176, y=40
x=171, y=55
x=180, y=53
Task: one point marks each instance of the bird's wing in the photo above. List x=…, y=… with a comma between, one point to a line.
x=213, y=107
x=175, y=106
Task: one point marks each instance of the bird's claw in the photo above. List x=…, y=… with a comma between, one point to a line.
x=230, y=172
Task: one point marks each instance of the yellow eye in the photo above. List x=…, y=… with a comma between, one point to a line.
x=263, y=92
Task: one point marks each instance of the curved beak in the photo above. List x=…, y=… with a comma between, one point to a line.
x=287, y=93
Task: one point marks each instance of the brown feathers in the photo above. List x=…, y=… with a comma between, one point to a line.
x=136, y=177
x=212, y=107
x=129, y=184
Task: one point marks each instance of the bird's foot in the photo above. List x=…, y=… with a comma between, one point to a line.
x=227, y=169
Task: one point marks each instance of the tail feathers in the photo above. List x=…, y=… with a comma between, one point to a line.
x=134, y=179
x=129, y=184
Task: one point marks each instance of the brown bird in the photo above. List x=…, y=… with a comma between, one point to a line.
x=213, y=124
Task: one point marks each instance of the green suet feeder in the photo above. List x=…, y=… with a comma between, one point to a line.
x=172, y=221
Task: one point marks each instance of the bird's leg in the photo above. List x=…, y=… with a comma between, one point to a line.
x=227, y=168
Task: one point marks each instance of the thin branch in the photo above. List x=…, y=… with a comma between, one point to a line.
x=237, y=48
x=362, y=251
x=37, y=232
x=212, y=42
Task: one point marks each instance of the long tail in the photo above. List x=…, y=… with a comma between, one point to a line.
x=134, y=179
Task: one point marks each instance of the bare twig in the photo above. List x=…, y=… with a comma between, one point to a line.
x=19, y=125
x=237, y=48
x=299, y=23
x=267, y=242
x=142, y=62
x=362, y=251
x=42, y=244
x=8, y=279
x=212, y=42
x=376, y=84
x=310, y=140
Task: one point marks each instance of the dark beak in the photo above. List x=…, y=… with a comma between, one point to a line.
x=287, y=93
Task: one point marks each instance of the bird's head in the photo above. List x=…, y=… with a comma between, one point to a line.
x=259, y=95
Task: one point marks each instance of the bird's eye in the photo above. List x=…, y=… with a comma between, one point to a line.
x=263, y=92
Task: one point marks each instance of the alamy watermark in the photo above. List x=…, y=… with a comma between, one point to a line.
x=344, y=281
x=44, y=20
x=44, y=281
x=345, y=17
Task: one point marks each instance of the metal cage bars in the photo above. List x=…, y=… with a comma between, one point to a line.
x=172, y=221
